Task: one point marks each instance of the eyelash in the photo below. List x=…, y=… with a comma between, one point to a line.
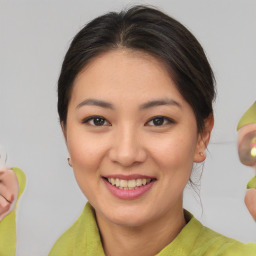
x=164, y=120
x=93, y=118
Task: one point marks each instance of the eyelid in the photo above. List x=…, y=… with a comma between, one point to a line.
x=90, y=118
x=169, y=120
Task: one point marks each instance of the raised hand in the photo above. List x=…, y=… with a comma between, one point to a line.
x=9, y=188
x=250, y=201
x=247, y=153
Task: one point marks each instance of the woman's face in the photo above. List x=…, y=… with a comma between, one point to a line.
x=132, y=138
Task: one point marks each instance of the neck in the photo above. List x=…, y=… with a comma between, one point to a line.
x=145, y=240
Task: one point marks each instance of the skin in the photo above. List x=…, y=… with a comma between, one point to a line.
x=250, y=196
x=250, y=201
x=128, y=142
x=244, y=131
x=9, y=188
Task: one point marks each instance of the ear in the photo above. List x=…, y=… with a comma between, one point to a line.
x=203, y=140
x=63, y=128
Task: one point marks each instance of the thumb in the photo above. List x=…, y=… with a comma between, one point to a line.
x=250, y=201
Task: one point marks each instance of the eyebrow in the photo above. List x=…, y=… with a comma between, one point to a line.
x=149, y=104
x=94, y=102
x=160, y=102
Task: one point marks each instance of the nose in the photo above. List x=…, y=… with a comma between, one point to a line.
x=127, y=147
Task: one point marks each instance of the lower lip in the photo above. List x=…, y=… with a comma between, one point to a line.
x=129, y=193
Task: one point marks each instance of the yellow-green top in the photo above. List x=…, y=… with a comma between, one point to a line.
x=252, y=183
x=83, y=239
x=8, y=224
x=249, y=117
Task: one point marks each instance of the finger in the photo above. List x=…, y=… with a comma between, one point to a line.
x=9, y=185
x=6, y=175
x=250, y=201
x=3, y=170
x=4, y=206
x=9, y=201
x=5, y=193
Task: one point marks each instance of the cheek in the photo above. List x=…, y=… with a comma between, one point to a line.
x=175, y=152
x=86, y=153
x=86, y=149
x=175, y=160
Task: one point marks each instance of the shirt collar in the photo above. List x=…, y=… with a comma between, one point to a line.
x=182, y=245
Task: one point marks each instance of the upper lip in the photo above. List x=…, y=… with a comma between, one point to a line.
x=129, y=177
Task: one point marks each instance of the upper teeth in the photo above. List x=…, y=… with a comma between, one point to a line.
x=128, y=184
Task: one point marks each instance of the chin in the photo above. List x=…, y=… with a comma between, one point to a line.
x=128, y=216
x=129, y=220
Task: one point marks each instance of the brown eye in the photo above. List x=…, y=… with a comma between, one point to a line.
x=96, y=121
x=159, y=121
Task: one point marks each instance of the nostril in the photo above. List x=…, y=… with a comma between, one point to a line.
x=127, y=149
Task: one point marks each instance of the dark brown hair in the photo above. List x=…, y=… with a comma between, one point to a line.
x=150, y=30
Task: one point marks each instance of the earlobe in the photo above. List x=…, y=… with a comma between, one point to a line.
x=200, y=151
x=69, y=162
x=203, y=140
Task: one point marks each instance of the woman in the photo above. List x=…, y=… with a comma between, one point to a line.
x=135, y=105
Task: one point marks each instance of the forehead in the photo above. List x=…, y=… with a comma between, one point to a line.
x=124, y=73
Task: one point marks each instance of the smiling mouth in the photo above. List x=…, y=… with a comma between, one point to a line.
x=128, y=184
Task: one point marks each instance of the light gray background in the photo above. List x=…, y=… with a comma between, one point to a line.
x=34, y=36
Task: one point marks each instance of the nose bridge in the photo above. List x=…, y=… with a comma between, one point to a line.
x=127, y=148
